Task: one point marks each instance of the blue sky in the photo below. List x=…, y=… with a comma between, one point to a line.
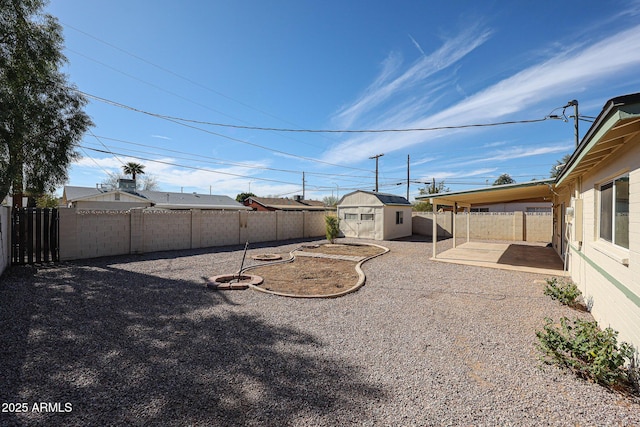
x=340, y=65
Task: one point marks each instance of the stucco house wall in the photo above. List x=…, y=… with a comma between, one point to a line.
x=606, y=273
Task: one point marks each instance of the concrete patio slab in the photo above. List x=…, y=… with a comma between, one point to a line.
x=520, y=256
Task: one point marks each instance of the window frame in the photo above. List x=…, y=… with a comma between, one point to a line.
x=350, y=216
x=399, y=217
x=612, y=202
x=362, y=217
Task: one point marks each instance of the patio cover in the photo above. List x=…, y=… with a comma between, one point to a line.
x=531, y=191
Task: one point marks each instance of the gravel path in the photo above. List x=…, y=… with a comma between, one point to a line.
x=138, y=340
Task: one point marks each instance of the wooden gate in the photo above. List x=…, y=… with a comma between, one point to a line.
x=34, y=235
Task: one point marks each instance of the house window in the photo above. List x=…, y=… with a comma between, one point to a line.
x=351, y=216
x=399, y=217
x=117, y=196
x=614, y=211
x=366, y=217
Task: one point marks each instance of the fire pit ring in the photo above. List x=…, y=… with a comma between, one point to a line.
x=267, y=257
x=224, y=282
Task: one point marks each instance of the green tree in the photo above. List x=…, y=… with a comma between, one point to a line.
x=330, y=200
x=505, y=178
x=240, y=198
x=41, y=114
x=47, y=201
x=332, y=227
x=148, y=182
x=558, y=165
x=434, y=188
x=133, y=169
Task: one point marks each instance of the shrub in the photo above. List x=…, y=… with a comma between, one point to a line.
x=332, y=227
x=565, y=292
x=590, y=352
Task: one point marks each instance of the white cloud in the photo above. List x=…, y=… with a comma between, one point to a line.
x=459, y=173
x=568, y=73
x=386, y=85
x=218, y=180
x=517, y=153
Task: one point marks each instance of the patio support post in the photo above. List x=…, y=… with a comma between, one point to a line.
x=455, y=214
x=468, y=223
x=434, y=226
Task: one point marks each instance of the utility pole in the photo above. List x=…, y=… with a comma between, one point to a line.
x=303, y=192
x=574, y=102
x=377, y=156
x=407, y=176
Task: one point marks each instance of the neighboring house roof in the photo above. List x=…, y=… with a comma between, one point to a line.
x=73, y=194
x=384, y=198
x=168, y=200
x=538, y=190
x=287, y=204
x=618, y=120
x=161, y=199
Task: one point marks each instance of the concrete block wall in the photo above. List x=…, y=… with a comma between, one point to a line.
x=219, y=228
x=290, y=224
x=422, y=223
x=96, y=233
x=510, y=226
x=258, y=226
x=314, y=224
x=166, y=230
x=85, y=234
x=539, y=227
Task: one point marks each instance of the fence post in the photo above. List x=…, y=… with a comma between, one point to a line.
x=518, y=226
x=137, y=230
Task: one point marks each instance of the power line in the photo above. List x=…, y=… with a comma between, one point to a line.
x=190, y=167
x=219, y=161
x=168, y=71
x=259, y=128
x=178, y=122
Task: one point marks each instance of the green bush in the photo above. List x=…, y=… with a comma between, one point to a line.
x=332, y=227
x=590, y=352
x=565, y=292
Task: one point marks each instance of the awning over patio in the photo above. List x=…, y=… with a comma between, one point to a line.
x=531, y=191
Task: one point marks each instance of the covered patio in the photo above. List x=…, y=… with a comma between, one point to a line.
x=517, y=255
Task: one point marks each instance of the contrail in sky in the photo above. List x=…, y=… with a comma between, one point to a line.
x=417, y=45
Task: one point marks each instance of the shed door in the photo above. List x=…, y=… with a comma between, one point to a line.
x=367, y=226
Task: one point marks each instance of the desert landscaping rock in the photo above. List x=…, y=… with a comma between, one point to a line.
x=139, y=340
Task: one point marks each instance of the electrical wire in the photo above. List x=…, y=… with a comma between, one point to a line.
x=259, y=128
x=192, y=167
x=185, y=124
x=224, y=162
x=166, y=70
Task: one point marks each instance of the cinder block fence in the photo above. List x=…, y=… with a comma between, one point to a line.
x=96, y=233
x=511, y=226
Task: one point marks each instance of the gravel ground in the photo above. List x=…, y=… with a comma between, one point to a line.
x=139, y=340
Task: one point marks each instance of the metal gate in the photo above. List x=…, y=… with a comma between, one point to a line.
x=34, y=235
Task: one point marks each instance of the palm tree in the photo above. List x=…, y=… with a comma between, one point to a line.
x=133, y=169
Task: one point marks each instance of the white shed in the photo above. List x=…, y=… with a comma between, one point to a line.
x=371, y=215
